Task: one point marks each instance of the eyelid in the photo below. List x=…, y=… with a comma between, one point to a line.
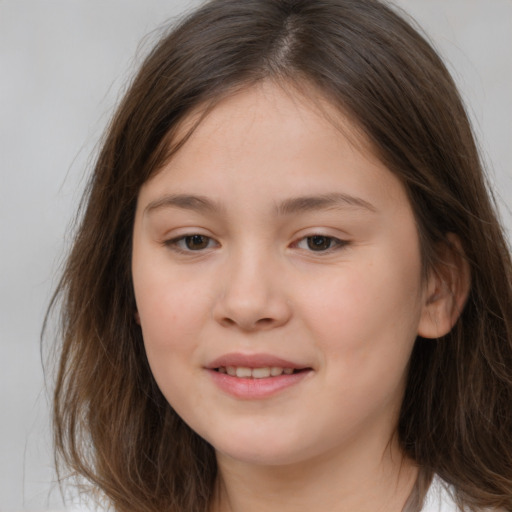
x=338, y=243
x=174, y=243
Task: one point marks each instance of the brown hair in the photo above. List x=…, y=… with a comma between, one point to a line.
x=112, y=424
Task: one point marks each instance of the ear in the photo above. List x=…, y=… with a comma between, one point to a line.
x=446, y=291
x=137, y=317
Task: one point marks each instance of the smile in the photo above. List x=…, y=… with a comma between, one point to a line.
x=265, y=372
x=256, y=376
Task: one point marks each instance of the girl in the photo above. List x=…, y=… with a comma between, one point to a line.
x=289, y=289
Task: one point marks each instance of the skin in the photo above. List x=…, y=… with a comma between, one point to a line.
x=251, y=283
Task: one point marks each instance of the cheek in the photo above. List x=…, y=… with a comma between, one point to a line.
x=172, y=310
x=367, y=313
x=171, y=320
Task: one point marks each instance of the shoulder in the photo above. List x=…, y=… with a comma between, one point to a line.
x=440, y=498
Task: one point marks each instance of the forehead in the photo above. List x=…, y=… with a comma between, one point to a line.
x=271, y=137
x=251, y=104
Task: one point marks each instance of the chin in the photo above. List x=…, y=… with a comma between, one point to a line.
x=257, y=457
x=263, y=450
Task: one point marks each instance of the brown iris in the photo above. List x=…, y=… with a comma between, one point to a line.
x=196, y=242
x=319, y=243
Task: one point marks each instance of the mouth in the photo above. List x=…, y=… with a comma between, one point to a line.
x=256, y=376
x=265, y=372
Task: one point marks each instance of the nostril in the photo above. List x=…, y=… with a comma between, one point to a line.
x=264, y=321
x=258, y=324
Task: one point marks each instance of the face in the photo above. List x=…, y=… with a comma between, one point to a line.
x=277, y=276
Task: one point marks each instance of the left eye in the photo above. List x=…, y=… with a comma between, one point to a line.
x=319, y=243
x=192, y=243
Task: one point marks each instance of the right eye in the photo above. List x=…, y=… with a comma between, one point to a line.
x=190, y=243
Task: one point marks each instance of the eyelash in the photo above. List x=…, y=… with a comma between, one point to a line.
x=333, y=243
x=177, y=243
x=181, y=244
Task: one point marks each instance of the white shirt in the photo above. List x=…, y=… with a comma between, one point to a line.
x=438, y=498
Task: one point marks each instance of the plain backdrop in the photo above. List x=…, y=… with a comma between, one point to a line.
x=63, y=65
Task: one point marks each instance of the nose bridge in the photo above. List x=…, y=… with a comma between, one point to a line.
x=252, y=295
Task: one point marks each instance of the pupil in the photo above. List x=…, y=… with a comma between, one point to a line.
x=319, y=243
x=196, y=242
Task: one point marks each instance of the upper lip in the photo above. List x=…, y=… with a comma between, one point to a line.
x=253, y=361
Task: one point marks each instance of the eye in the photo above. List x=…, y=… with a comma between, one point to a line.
x=320, y=243
x=194, y=242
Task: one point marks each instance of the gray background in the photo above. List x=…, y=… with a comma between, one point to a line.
x=62, y=67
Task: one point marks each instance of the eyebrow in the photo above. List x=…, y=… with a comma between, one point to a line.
x=200, y=204
x=331, y=201
x=203, y=204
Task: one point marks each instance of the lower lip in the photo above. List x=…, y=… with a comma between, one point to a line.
x=254, y=389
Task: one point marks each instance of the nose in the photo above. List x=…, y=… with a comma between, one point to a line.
x=252, y=295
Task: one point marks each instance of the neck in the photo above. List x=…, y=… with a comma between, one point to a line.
x=321, y=483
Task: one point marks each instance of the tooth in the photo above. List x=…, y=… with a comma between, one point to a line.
x=222, y=369
x=261, y=373
x=242, y=371
x=288, y=371
x=231, y=370
x=275, y=371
